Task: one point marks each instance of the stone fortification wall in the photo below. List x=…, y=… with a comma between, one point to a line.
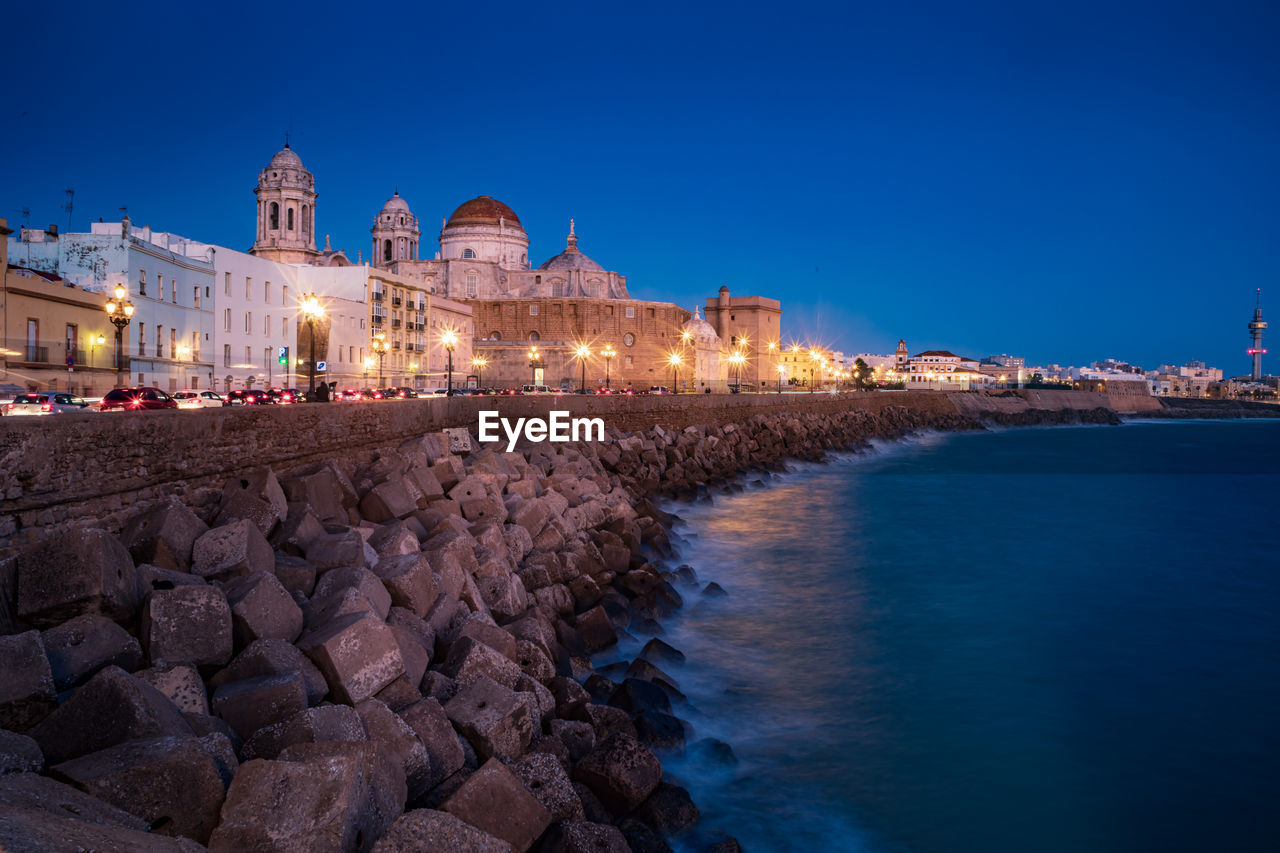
x=69, y=468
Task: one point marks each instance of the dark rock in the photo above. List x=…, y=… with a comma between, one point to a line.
x=713, y=590
x=580, y=836
x=591, y=805
x=274, y=657
x=658, y=651
x=409, y=581
x=635, y=695
x=19, y=754
x=494, y=801
x=428, y=830
x=621, y=772
x=669, y=809
x=642, y=838
x=357, y=653
x=599, y=688
x=262, y=609
x=608, y=721
x=295, y=574
x=397, y=740
x=544, y=777
x=181, y=684
x=429, y=722
x=470, y=659
x=187, y=625
x=252, y=703
x=596, y=629
x=659, y=731
x=713, y=751
x=27, y=688
x=577, y=736
x=231, y=550
x=493, y=719
x=80, y=647
x=164, y=536
x=75, y=572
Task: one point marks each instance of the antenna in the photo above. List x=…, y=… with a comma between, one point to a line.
x=71, y=197
x=26, y=215
x=124, y=211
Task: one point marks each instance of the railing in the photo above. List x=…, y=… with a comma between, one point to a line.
x=395, y=345
x=377, y=319
x=395, y=324
x=395, y=301
x=377, y=296
x=35, y=354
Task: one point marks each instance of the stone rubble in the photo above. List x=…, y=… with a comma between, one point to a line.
x=392, y=656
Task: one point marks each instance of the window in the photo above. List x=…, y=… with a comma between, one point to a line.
x=533, y=310
x=631, y=312
x=142, y=282
x=266, y=359
x=290, y=211
x=173, y=344
x=266, y=292
x=248, y=287
x=196, y=297
x=275, y=216
x=248, y=322
x=195, y=346
x=306, y=219
x=468, y=254
x=284, y=328
x=173, y=291
x=160, y=286
x=284, y=295
x=72, y=336
x=534, y=336
x=248, y=356
x=386, y=250
x=142, y=340
x=628, y=361
x=629, y=339
x=473, y=283
x=495, y=336
x=226, y=357
x=226, y=320
x=266, y=326
x=159, y=341
x=226, y=286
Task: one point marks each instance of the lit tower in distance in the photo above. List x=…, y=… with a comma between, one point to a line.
x=1256, y=328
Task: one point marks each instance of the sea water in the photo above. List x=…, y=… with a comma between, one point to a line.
x=1061, y=639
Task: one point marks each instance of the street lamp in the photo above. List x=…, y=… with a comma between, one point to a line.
x=675, y=372
x=98, y=341
x=380, y=346
x=368, y=365
x=312, y=311
x=736, y=360
x=535, y=359
x=583, y=353
x=450, y=340
x=479, y=363
x=607, y=354
x=119, y=312
x=782, y=371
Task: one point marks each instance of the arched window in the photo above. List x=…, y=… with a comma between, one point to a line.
x=629, y=339
x=468, y=254
x=386, y=250
x=401, y=220
x=275, y=216
x=306, y=219
x=495, y=336
x=534, y=336
x=291, y=219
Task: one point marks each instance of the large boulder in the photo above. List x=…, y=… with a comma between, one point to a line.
x=493, y=800
x=164, y=536
x=621, y=772
x=262, y=609
x=234, y=549
x=426, y=830
x=187, y=625
x=357, y=653
x=81, y=646
x=77, y=571
x=27, y=687
x=495, y=720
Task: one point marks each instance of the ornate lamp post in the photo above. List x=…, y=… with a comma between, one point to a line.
x=675, y=361
x=607, y=354
x=312, y=311
x=535, y=359
x=582, y=354
x=782, y=372
x=736, y=360
x=380, y=346
x=450, y=340
x=368, y=365
x=479, y=363
x=119, y=312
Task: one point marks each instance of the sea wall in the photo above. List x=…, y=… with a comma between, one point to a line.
x=101, y=467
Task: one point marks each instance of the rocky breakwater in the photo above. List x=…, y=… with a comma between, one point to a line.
x=390, y=656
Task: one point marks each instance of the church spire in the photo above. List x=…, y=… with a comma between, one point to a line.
x=572, y=242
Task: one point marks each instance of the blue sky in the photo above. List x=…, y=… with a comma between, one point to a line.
x=1062, y=181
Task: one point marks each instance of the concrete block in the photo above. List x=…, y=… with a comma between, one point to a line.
x=544, y=777
x=621, y=772
x=274, y=657
x=430, y=724
x=580, y=836
x=416, y=658
x=383, y=780
x=27, y=686
x=170, y=782
x=254, y=703
x=452, y=556
x=469, y=659
x=669, y=809
x=301, y=526
x=331, y=586
x=396, y=739
x=234, y=549
x=357, y=653
x=503, y=595
x=577, y=736
x=428, y=830
x=409, y=580
x=181, y=683
x=492, y=636
x=75, y=572
x=220, y=748
x=295, y=574
x=387, y=501
x=262, y=609
x=187, y=625
x=111, y=708
x=596, y=629
x=19, y=754
x=426, y=483
x=493, y=719
x=394, y=539
x=334, y=550
x=321, y=490
x=256, y=497
x=164, y=536
x=493, y=800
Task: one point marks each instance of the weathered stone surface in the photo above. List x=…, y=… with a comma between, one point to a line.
x=493, y=800
x=187, y=625
x=257, y=498
x=503, y=595
x=428, y=830
x=112, y=707
x=470, y=659
x=234, y=549
x=452, y=556
x=336, y=550
x=596, y=629
x=28, y=792
x=80, y=647
x=621, y=772
x=409, y=581
x=382, y=780
x=660, y=731
x=299, y=529
x=544, y=777
x=415, y=657
x=274, y=657
x=635, y=695
x=397, y=739
x=492, y=636
x=578, y=737
x=330, y=587
x=27, y=688
x=220, y=748
x=326, y=724
x=642, y=838
x=669, y=809
x=295, y=574
x=387, y=501
x=253, y=703
x=429, y=722
x=659, y=651
x=571, y=698
x=262, y=609
x=77, y=571
x=580, y=836
x=322, y=490
x=493, y=719
x=170, y=782
x=394, y=539
x=357, y=653
x=164, y=536
x=182, y=684
x=19, y=754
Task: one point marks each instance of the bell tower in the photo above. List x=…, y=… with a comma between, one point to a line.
x=286, y=211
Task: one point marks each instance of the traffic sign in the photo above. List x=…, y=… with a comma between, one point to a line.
x=321, y=366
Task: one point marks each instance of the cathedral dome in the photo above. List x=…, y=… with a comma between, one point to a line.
x=286, y=159
x=395, y=204
x=700, y=328
x=571, y=258
x=483, y=211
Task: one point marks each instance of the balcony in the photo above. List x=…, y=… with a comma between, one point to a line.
x=421, y=326
x=35, y=355
x=395, y=324
x=377, y=319
x=396, y=301
x=395, y=345
x=377, y=296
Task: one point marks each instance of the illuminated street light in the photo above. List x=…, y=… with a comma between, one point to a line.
x=535, y=359
x=380, y=346
x=582, y=353
x=607, y=354
x=479, y=363
x=675, y=362
x=450, y=340
x=119, y=312
x=312, y=311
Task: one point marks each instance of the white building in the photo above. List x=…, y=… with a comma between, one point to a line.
x=169, y=281
x=942, y=370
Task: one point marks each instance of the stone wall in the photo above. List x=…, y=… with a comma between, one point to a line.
x=101, y=467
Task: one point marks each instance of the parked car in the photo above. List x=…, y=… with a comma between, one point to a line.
x=371, y=394
x=658, y=389
x=347, y=395
x=52, y=403
x=136, y=399
x=401, y=392
x=190, y=398
x=249, y=397
x=284, y=396
x=511, y=392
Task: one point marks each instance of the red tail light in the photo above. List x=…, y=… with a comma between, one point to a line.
x=47, y=407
